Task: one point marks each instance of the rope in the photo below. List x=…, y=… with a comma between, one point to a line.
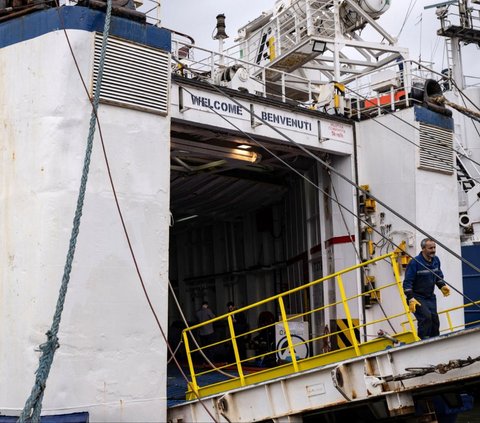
x=441, y=100
x=33, y=406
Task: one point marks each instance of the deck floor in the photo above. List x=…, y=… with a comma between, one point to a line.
x=177, y=385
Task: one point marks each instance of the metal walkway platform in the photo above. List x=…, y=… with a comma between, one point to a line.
x=308, y=376
x=394, y=376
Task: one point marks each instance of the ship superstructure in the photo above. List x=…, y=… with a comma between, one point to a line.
x=296, y=174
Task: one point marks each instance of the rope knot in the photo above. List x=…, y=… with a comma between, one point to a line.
x=51, y=344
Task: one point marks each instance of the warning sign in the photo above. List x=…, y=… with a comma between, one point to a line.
x=344, y=337
x=299, y=334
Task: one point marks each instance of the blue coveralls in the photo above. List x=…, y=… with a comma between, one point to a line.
x=419, y=283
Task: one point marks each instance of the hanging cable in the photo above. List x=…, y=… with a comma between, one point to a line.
x=326, y=165
x=407, y=15
x=357, y=253
x=195, y=341
x=442, y=101
x=132, y=253
x=358, y=187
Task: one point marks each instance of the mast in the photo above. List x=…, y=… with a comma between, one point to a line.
x=457, y=26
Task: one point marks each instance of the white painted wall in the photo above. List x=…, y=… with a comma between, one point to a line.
x=467, y=142
x=387, y=162
x=112, y=357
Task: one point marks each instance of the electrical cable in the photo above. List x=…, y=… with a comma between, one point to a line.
x=349, y=181
x=357, y=253
x=184, y=319
x=130, y=246
x=407, y=15
x=327, y=166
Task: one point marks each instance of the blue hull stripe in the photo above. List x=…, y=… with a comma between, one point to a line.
x=422, y=114
x=75, y=17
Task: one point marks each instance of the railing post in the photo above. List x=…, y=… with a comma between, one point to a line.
x=212, y=63
x=396, y=273
x=278, y=38
x=287, y=333
x=348, y=315
x=449, y=320
x=193, y=383
x=308, y=10
x=264, y=80
x=392, y=99
x=235, y=350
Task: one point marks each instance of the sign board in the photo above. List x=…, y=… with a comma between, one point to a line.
x=216, y=103
x=334, y=130
x=259, y=119
x=299, y=334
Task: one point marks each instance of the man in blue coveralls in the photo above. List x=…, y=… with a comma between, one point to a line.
x=422, y=274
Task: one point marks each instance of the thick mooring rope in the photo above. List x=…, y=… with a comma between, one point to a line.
x=442, y=101
x=33, y=406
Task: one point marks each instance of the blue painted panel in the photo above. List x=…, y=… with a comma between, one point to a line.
x=59, y=418
x=471, y=281
x=422, y=114
x=36, y=24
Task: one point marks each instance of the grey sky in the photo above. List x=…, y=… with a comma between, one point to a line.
x=197, y=19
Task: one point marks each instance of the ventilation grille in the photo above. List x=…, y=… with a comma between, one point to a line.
x=436, y=149
x=134, y=76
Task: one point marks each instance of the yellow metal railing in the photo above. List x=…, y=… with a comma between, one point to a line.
x=448, y=316
x=239, y=372
x=448, y=312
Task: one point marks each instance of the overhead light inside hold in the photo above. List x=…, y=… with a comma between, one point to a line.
x=182, y=147
x=245, y=146
x=319, y=46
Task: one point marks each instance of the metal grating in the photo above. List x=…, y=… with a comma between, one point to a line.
x=134, y=76
x=436, y=149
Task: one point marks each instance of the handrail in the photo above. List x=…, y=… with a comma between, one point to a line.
x=359, y=98
x=448, y=311
x=286, y=355
x=294, y=349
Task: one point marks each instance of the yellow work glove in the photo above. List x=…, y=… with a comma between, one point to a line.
x=412, y=304
x=445, y=290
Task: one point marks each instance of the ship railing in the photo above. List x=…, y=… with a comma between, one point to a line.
x=394, y=86
x=286, y=31
x=283, y=346
x=447, y=323
x=218, y=68
x=456, y=14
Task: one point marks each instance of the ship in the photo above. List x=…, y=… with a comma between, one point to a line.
x=293, y=175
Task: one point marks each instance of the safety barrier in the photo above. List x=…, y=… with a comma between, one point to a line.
x=293, y=353
x=447, y=314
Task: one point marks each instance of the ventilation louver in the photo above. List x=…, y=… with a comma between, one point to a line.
x=134, y=76
x=436, y=149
